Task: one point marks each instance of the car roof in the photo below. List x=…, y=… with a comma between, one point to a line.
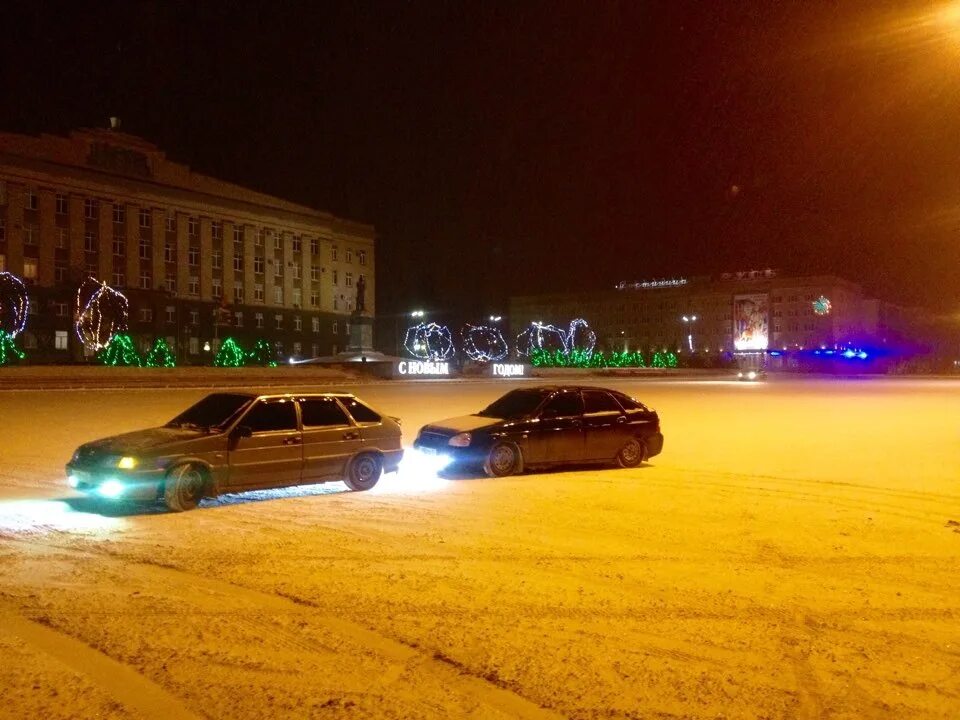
x=274, y=396
x=553, y=388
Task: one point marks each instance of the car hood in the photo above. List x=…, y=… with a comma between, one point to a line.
x=464, y=423
x=143, y=440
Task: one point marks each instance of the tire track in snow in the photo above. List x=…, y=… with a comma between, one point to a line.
x=119, y=681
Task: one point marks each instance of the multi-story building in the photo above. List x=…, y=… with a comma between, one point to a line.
x=747, y=311
x=198, y=258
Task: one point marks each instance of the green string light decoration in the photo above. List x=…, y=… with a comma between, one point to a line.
x=120, y=351
x=160, y=355
x=262, y=354
x=597, y=359
x=9, y=352
x=230, y=354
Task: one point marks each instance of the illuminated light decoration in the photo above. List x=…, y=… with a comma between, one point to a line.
x=422, y=367
x=579, y=359
x=160, y=355
x=541, y=337
x=580, y=338
x=822, y=306
x=120, y=351
x=508, y=370
x=648, y=284
x=751, y=322
x=429, y=341
x=484, y=344
x=262, y=354
x=9, y=352
x=102, y=312
x=230, y=354
x=664, y=360
x=14, y=304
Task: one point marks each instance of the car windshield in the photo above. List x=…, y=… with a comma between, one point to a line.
x=515, y=404
x=211, y=413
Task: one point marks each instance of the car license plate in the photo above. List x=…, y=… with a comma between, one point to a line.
x=428, y=451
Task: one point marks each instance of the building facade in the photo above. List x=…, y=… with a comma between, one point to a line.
x=736, y=312
x=198, y=259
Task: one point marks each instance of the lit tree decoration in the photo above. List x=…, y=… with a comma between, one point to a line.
x=230, y=354
x=429, y=341
x=101, y=313
x=160, y=355
x=9, y=352
x=541, y=337
x=14, y=304
x=582, y=359
x=822, y=305
x=484, y=344
x=262, y=354
x=580, y=338
x=120, y=351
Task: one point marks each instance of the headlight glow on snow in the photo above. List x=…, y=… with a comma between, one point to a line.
x=418, y=473
x=44, y=516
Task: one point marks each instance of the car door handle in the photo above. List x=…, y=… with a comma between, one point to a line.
x=292, y=440
x=352, y=435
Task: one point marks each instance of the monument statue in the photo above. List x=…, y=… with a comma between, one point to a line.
x=361, y=290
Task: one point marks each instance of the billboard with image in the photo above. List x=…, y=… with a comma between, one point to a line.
x=751, y=321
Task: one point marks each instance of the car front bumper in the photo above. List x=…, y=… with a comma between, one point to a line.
x=114, y=484
x=470, y=455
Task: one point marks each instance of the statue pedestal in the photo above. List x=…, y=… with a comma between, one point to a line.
x=361, y=332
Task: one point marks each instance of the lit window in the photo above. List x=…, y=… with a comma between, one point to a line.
x=60, y=340
x=30, y=269
x=278, y=295
x=297, y=347
x=315, y=324
x=258, y=319
x=297, y=323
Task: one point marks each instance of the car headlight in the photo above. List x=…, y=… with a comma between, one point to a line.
x=127, y=463
x=752, y=375
x=461, y=440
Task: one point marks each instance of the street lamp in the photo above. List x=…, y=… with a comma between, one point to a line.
x=495, y=318
x=417, y=314
x=688, y=321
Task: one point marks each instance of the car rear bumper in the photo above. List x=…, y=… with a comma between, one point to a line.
x=654, y=445
x=116, y=485
x=391, y=460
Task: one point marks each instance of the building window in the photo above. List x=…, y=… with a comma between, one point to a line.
x=297, y=244
x=171, y=314
x=336, y=278
x=297, y=323
x=333, y=253
x=258, y=292
x=238, y=234
x=278, y=271
x=277, y=242
x=349, y=255
x=29, y=340
x=118, y=246
x=30, y=199
x=89, y=208
x=30, y=270
x=194, y=317
x=297, y=348
x=335, y=304
x=315, y=350
x=30, y=234
x=60, y=339
x=91, y=268
x=237, y=261
x=349, y=279
x=59, y=273
x=258, y=319
x=145, y=280
x=170, y=222
x=297, y=297
x=146, y=314
x=238, y=319
x=258, y=265
x=146, y=219
x=60, y=309
x=193, y=286
x=119, y=279
x=63, y=236
x=346, y=328
x=170, y=283
x=258, y=238
x=216, y=288
x=216, y=230
x=62, y=204
x=314, y=272
x=119, y=213
x=194, y=345
x=315, y=324
x=193, y=256
x=146, y=251
x=278, y=295
x=3, y=229
x=362, y=257
x=314, y=246
x=193, y=227
x=314, y=299
x=169, y=252
x=296, y=271
x=278, y=320
x=216, y=259
x=336, y=327
x=238, y=293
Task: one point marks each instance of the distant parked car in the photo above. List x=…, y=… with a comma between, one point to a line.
x=231, y=442
x=544, y=426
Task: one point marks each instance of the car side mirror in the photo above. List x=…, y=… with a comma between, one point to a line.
x=242, y=431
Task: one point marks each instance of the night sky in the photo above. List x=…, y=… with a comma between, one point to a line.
x=518, y=147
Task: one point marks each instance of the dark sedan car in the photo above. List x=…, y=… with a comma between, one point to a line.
x=232, y=442
x=543, y=426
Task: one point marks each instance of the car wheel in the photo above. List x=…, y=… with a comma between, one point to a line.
x=364, y=472
x=184, y=487
x=502, y=460
x=631, y=454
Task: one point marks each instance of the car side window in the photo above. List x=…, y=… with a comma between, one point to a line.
x=322, y=412
x=597, y=401
x=361, y=413
x=271, y=416
x=564, y=404
x=628, y=403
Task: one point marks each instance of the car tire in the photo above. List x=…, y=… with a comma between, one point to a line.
x=184, y=487
x=503, y=459
x=631, y=454
x=364, y=472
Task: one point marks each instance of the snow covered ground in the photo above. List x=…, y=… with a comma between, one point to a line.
x=794, y=553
